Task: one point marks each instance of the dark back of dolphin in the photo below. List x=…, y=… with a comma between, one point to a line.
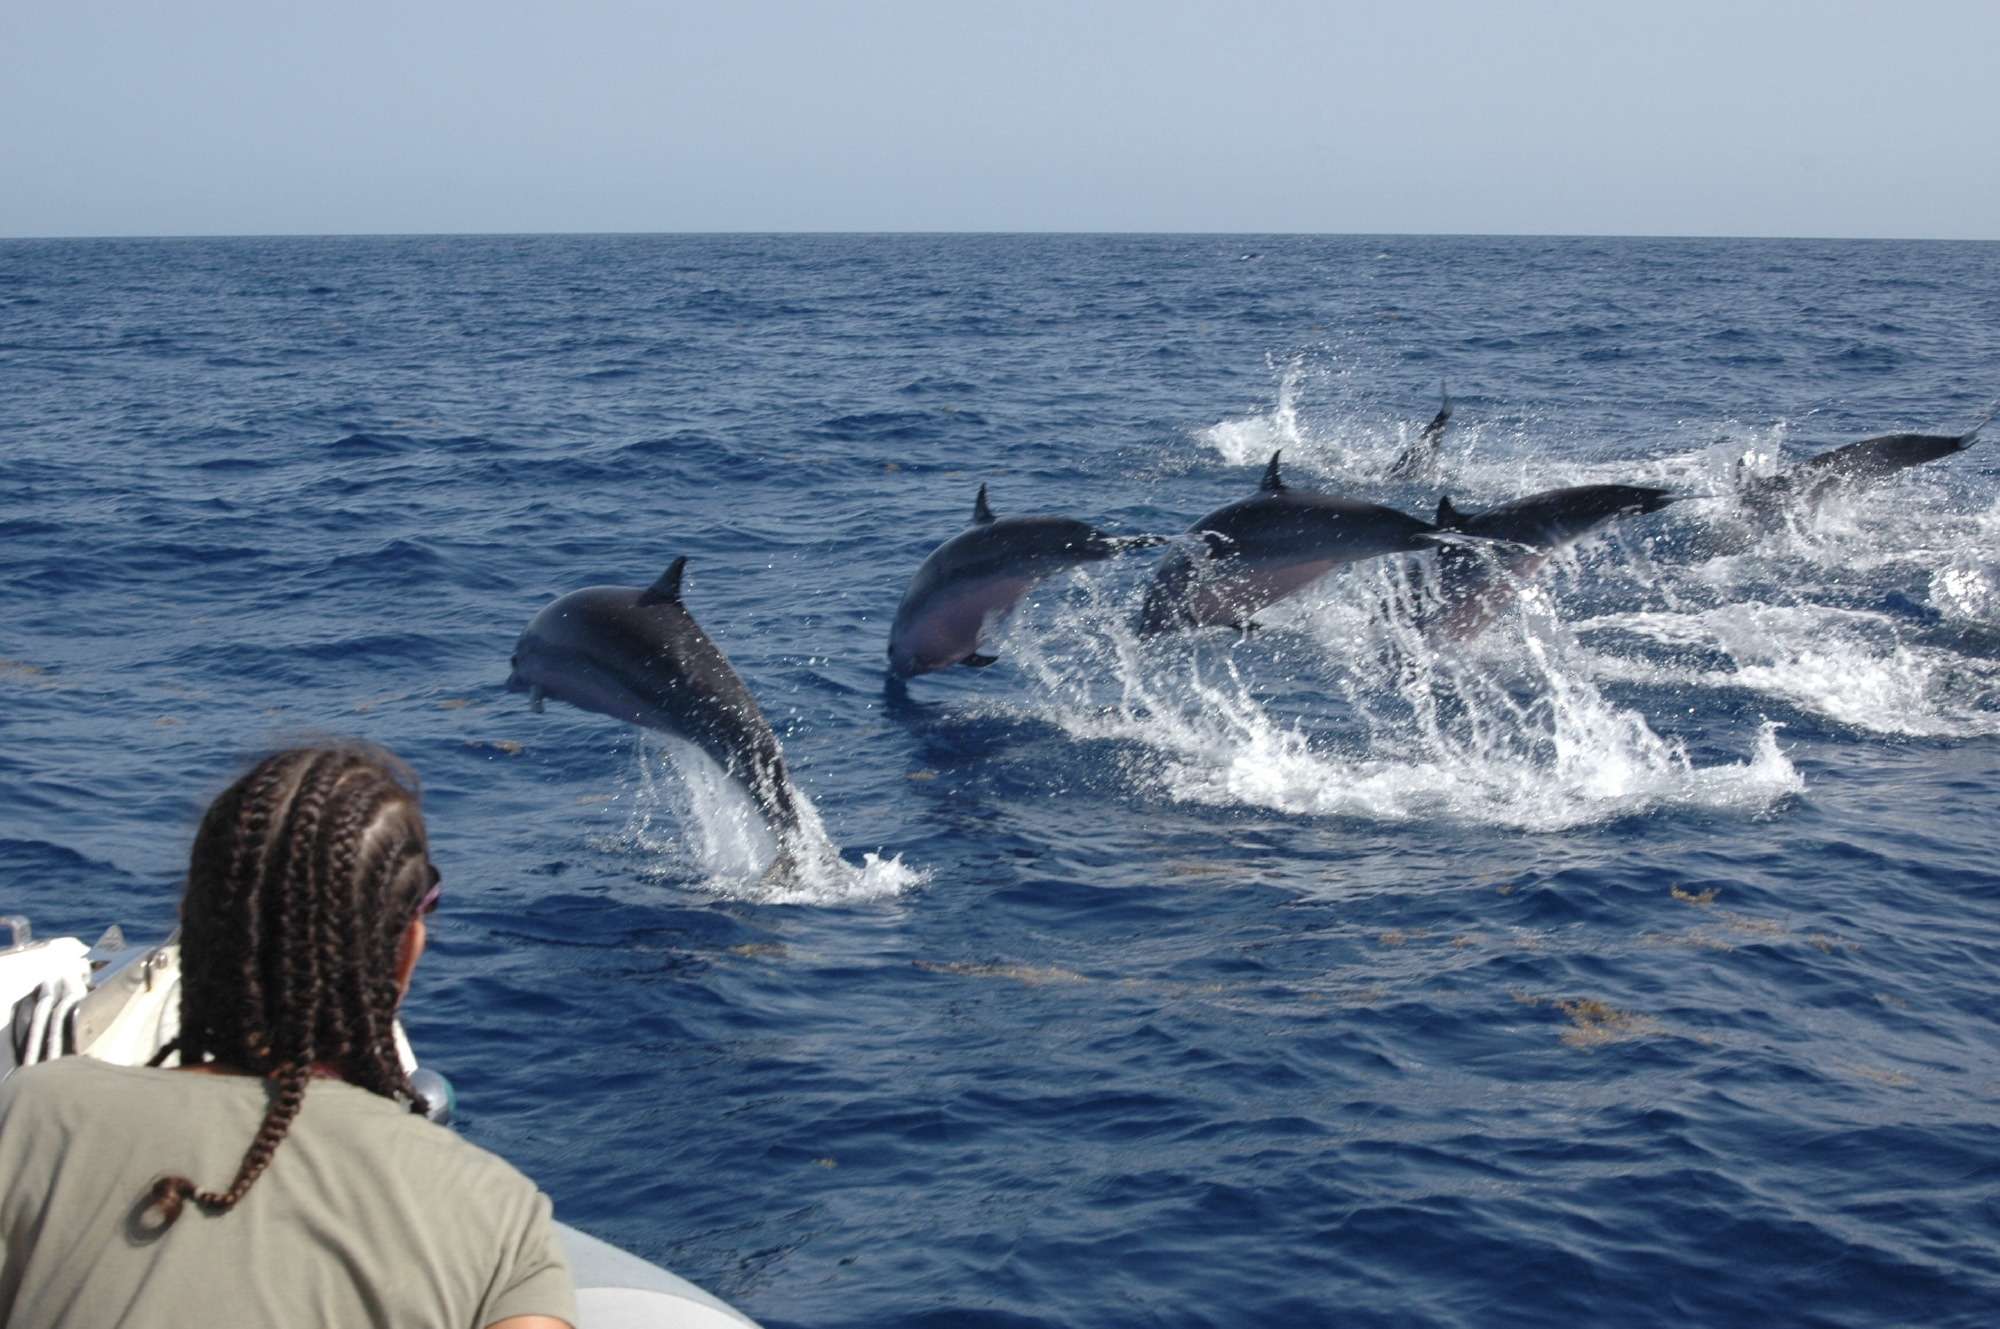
x=1259, y=550
x=636, y=654
x=979, y=575
x=1474, y=582
x=1554, y=517
x=1870, y=460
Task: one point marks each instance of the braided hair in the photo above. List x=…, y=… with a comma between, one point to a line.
x=304, y=876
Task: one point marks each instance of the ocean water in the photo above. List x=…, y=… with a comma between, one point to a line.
x=1632, y=964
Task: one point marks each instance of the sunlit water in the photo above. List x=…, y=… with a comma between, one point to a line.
x=1627, y=964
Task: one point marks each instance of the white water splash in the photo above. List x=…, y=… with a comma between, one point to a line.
x=1251, y=439
x=1342, y=444
x=692, y=819
x=1849, y=666
x=1515, y=734
x=1967, y=587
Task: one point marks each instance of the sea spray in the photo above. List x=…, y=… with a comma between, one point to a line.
x=1515, y=733
x=693, y=821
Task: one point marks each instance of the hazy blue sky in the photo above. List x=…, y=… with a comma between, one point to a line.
x=121, y=117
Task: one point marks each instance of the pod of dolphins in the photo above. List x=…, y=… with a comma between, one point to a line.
x=636, y=654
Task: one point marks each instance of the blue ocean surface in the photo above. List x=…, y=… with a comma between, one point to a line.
x=1631, y=964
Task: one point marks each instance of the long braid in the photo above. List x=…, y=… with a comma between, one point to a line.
x=302, y=880
x=233, y=908
x=341, y=849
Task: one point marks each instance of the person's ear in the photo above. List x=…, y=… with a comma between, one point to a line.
x=408, y=952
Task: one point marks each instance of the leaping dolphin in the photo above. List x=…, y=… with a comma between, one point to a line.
x=1476, y=581
x=1258, y=550
x=1866, y=462
x=1420, y=458
x=979, y=575
x=637, y=655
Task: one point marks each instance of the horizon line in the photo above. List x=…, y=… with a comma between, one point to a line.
x=1049, y=232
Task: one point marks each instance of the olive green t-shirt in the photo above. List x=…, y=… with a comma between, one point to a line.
x=367, y=1215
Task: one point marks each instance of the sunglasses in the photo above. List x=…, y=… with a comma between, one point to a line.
x=428, y=905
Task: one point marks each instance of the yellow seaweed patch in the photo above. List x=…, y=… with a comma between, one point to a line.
x=759, y=949
x=29, y=675
x=1894, y=1079
x=506, y=745
x=454, y=703
x=1030, y=974
x=1195, y=867
x=1703, y=898
x=921, y=776
x=1594, y=1023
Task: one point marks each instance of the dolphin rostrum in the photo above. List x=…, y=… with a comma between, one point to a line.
x=1866, y=462
x=978, y=575
x=1258, y=550
x=1419, y=459
x=636, y=654
x=1477, y=581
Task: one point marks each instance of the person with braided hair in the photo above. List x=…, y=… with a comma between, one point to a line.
x=128, y=1195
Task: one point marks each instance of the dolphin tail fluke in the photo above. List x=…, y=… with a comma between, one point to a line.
x=1435, y=428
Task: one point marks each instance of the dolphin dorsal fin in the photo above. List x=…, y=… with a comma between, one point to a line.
x=981, y=513
x=1448, y=516
x=667, y=590
x=1271, y=484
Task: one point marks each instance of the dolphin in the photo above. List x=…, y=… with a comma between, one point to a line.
x=979, y=575
x=1870, y=460
x=1420, y=458
x=637, y=655
x=1258, y=550
x=1511, y=542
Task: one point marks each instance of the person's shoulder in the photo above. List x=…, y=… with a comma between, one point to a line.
x=66, y=1080
x=434, y=1149
x=71, y=1093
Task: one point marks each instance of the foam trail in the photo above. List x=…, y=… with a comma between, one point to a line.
x=694, y=820
x=1849, y=666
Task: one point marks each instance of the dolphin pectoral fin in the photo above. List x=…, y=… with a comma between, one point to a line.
x=979, y=661
x=535, y=694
